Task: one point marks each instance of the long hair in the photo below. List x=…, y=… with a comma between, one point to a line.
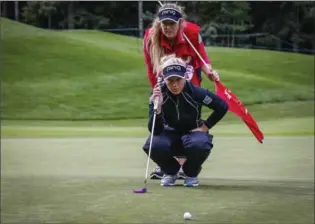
x=156, y=51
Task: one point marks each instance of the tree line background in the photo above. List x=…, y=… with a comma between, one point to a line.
x=286, y=26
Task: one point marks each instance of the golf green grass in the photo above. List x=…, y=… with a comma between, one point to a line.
x=90, y=180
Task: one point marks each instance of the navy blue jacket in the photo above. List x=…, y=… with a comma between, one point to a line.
x=182, y=112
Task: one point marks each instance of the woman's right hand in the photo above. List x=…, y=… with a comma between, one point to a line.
x=157, y=94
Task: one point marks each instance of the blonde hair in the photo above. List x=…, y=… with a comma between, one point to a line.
x=156, y=51
x=170, y=60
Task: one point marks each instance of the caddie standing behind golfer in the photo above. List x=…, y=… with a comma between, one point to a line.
x=165, y=37
x=178, y=124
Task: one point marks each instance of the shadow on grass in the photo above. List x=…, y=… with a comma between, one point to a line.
x=281, y=187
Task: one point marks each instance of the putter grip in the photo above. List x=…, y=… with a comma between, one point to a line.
x=156, y=100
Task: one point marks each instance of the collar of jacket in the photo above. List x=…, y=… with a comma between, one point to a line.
x=179, y=40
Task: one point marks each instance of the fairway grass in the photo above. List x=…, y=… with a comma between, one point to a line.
x=98, y=75
x=90, y=180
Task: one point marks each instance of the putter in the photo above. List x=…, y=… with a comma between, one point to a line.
x=144, y=189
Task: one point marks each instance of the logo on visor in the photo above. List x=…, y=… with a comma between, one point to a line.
x=168, y=11
x=178, y=70
x=173, y=67
x=170, y=14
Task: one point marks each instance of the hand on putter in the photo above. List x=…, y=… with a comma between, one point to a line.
x=157, y=94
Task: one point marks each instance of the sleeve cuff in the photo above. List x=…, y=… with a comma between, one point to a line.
x=209, y=126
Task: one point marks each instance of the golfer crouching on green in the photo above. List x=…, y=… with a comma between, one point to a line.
x=178, y=123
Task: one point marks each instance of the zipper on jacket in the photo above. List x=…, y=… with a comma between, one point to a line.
x=177, y=108
x=176, y=105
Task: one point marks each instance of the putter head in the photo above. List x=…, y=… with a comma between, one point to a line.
x=140, y=191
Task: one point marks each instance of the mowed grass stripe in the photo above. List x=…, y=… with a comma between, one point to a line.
x=289, y=126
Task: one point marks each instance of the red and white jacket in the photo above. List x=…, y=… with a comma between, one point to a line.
x=181, y=49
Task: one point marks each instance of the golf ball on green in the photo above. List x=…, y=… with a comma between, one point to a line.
x=187, y=216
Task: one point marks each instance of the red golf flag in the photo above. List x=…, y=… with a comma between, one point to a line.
x=236, y=106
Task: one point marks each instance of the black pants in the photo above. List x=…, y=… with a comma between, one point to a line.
x=195, y=146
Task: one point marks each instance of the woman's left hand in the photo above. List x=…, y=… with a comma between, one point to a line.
x=203, y=128
x=189, y=72
x=213, y=75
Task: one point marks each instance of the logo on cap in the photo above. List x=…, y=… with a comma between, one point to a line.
x=168, y=11
x=173, y=67
x=174, y=70
x=170, y=14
